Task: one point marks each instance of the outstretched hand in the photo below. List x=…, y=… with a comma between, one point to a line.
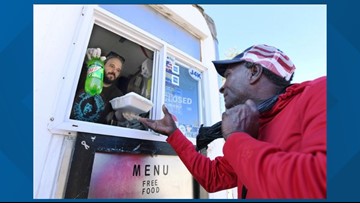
x=165, y=126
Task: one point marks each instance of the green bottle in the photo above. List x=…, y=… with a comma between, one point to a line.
x=94, y=76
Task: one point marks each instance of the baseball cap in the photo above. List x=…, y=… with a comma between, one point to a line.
x=268, y=57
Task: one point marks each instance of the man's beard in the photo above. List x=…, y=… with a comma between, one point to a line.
x=108, y=81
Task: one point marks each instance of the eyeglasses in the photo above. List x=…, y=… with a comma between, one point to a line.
x=113, y=54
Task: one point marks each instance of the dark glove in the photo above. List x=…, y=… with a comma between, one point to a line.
x=207, y=135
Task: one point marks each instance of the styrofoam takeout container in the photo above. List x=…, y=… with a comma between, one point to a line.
x=131, y=102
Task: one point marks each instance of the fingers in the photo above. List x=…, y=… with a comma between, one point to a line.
x=130, y=116
x=251, y=104
x=98, y=53
x=94, y=53
x=154, y=127
x=89, y=52
x=88, y=55
x=167, y=115
x=165, y=110
x=147, y=122
x=152, y=124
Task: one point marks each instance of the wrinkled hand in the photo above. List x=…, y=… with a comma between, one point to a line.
x=94, y=53
x=165, y=126
x=241, y=118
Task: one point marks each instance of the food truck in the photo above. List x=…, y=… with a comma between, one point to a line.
x=168, y=51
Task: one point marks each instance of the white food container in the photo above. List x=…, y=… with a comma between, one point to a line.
x=132, y=103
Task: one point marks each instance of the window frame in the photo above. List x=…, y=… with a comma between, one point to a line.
x=60, y=122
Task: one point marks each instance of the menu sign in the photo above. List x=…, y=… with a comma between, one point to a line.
x=139, y=176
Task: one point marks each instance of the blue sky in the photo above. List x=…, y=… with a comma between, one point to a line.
x=298, y=30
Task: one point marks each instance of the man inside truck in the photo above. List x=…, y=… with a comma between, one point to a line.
x=98, y=108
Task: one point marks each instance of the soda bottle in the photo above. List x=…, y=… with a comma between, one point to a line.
x=94, y=76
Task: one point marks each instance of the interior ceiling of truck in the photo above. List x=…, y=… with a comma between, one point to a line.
x=133, y=53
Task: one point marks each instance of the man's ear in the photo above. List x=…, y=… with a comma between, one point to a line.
x=255, y=73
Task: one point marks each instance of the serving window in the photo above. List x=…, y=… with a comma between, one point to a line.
x=135, y=78
x=153, y=69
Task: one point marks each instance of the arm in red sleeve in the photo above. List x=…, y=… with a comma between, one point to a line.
x=213, y=175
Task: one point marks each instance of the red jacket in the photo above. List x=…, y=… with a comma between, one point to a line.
x=288, y=160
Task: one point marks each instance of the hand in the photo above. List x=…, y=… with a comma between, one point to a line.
x=241, y=118
x=94, y=53
x=165, y=126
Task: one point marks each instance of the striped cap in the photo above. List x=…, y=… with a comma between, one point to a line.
x=267, y=56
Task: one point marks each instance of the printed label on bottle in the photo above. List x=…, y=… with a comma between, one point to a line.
x=95, y=71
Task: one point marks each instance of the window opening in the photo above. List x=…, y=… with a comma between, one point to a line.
x=135, y=77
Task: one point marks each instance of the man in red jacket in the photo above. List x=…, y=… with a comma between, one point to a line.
x=278, y=152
